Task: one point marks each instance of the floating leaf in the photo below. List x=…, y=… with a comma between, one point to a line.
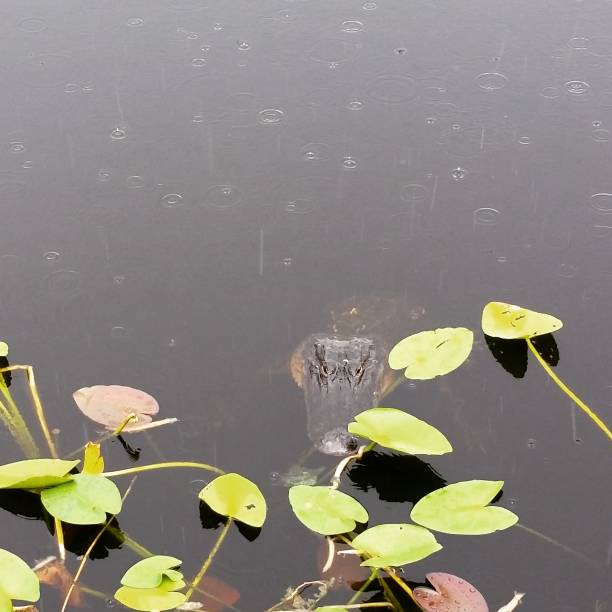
x=6, y=605
x=111, y=405
x=432, y=353
x=150, y=572
x=93, y=462
x=17, y=579
x=395, y=544
x=4, y=349
x=35, y=473
x=398, y=430
x=235, y=496
x=325, y=510
x=461, y=508
x=163, y=597
x=511, y=322
x=84, y=500
x=452, y=594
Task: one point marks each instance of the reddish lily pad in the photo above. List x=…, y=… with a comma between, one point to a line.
x=111, y=405
x=451, y=594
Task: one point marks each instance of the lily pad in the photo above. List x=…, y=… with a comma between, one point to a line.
x=398, y=430
x=84, y=500
x=4, y=349
x=451, y=594
x=461, y=508
x=325, y=510
x=93, y=462
x=150, y=573
x=432, y=353
x=6, y=605
x=511, y=322
x=235, y=496
x=17, y=580
x=395, y=544
x=110, y=405
x=163, y=597
x=35, y=473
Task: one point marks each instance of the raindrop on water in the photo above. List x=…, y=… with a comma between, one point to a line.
x=369, y=6
x=577, y=88
x=217, y=27
x=243, y=45
x=198, y=62
x=578, y=42
x=103, y=176
x=171, y=200
x=287, y=261
x=531, y=443
x=430, y=120
x=135, y=22
x=118, y=279
x=27, y=164
x=271, y=115
x=51, y=256
x=524, y=140
x=502, y=259
x=70, y=88
x=354, y=105
x=198, y=119
x=32, y=24
x=349, y=163
x=134, y=182
x=118, y=133
x=352, y=26
x=601, y=135
x=550, y=92
x=16, y=146
x=491, y=81
x=315, y=151
x=602, y=202
x=222, y=196
x=118, y=331
x=456, y=127
x=458, y=173
x=596, y=124
x=486, y=216
x=401, y=51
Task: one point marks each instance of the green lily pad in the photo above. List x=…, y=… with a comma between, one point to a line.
x=432, y=353
x=150, y=573
x=163, y=597
x=461, y=508
x=35, y=473
x=325, y=510
x=84, y=500
x=6, y=605
x=17, y=580
x=398, y=430
x=235, y=496
x=4, y=349
x=395, y=544
x=511, y=322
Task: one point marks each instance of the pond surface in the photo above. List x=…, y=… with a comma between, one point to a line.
x=188, y=187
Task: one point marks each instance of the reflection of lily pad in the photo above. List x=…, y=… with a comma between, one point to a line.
x=398, y=430
x=461, y=508
x=325, y=510
x=511, y=322
x=110, y=405
x=432, y=353
x=299, y=475
x=451, y=594
x=237, y=497
x=395, y=544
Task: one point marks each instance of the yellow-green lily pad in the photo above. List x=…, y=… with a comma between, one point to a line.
x=462, y=508
x=398, y=430
x=325, y=510
x=395, y=544
x=4, y=349
x=237, y=497
x=35, y=473
x=432, y=353
x=150, y=572
x=511, y=322
x=17, y=579
x=163, y=597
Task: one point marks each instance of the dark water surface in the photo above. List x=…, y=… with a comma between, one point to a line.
x=187, y=186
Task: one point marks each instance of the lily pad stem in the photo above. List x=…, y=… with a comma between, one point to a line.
x=196, y=581
x=373, y=575
x=335, y=482
x=164, y=466
x=569, y=392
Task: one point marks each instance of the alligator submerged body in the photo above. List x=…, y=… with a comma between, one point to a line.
x=344, y=371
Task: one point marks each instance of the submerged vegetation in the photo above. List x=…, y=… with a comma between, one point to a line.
x=89, y=497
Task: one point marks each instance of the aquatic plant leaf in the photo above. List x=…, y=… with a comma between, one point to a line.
x=6, y=605
x=35, y=473
x=451, y=594
x=325, y=510
x=432, y=353
x=17, y=579
x=84, y=500
x=235, y=496
x=111, y=405
x=461, y=508
x=4, y=349
x=398, y=430
x=162, y=597
x=149, y=573
x=511, y=322
x=93, y=462
x=395, y=544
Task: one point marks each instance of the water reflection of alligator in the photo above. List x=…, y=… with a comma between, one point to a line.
x=343, y=370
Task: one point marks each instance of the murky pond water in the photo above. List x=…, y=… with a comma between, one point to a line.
x=188, y=187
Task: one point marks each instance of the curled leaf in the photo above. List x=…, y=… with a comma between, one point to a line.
x=511, y=322
x=150, y=572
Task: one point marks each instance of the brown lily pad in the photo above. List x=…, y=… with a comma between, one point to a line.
x=451, y=594
x=111, y=405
